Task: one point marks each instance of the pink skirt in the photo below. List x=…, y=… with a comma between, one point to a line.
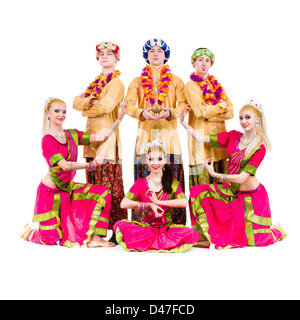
x=232, y=220
x=140, y=236
x=70, y=218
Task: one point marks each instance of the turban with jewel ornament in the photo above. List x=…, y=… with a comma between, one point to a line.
x=156, y=42
x=201, y=52
x=110, y=46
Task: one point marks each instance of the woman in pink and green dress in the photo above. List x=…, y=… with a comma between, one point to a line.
x=154, y=197
x=236, y=212
x=68, y=212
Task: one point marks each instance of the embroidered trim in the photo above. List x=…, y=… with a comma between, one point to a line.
x=55, y=158
x=85, y=140
x=50, y=214
x=214, y=142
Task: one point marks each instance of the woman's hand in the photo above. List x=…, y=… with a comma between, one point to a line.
x=99, y=159
x=209, y=165
x=158, y=211
x=185, y=110
x=123, y=109
x=152, y=196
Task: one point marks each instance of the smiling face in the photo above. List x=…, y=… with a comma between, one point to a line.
x=107, y=58
x=57, y=113
x=156, y=56
x=248, y=119
x=156, y=161
x=202, y=65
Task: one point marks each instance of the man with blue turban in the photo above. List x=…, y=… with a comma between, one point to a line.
x=157, y=88
x=156, y=42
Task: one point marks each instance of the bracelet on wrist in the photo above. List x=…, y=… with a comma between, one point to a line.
x=92, y=165
x=223, y=178
x=142, y=206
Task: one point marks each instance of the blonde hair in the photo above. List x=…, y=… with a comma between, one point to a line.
x=261, y=131
x=47, y=104
x=156, y=145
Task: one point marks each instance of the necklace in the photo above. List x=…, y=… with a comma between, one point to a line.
x=61, y=135
x=246, y=143
x=157, y=183
x=147, y=83
x=214, y=96
x=95, y=88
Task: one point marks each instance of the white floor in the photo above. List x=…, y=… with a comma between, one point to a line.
x=30, y=271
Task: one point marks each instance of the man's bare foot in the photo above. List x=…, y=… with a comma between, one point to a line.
x=97, y=241
x=202, y=244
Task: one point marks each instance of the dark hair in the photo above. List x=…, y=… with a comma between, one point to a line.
x=167, y=178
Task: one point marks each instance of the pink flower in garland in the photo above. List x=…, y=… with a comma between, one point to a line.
x=214, y=96
x=163, y=84
x=96, y=87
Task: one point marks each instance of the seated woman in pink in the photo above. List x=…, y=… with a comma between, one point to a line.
x=235, y=213
x=68, y=212
x=154, y=196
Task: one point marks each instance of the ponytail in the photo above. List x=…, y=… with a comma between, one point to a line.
x=167, y=178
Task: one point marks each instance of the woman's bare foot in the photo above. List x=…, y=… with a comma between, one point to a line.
x=97, y=241
x=25, y=229
x=277, y=225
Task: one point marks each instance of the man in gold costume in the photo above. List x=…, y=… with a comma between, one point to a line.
x=210, y=107
x=100, y=103
x=159, y=95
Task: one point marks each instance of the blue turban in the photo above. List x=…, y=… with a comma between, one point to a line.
x=156, y=42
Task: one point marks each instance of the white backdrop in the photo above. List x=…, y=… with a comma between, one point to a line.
x=48, y=49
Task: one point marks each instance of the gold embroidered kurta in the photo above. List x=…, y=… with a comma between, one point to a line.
x=100, y=117
x=164, y=129
x=207, y=120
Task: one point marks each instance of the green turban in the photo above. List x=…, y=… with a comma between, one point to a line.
x=201, y=52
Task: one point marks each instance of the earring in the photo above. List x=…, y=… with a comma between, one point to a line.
x=163, y=168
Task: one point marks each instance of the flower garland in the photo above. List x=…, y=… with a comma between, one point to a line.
x=214, y=96
x=96, y=87
x=163, y=84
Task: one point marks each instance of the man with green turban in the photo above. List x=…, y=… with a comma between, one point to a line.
x=201, y=52
x=210, y=107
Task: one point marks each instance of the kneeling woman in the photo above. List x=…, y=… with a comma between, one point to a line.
x=235, y=213
x=68, y=212
x=154, y=196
